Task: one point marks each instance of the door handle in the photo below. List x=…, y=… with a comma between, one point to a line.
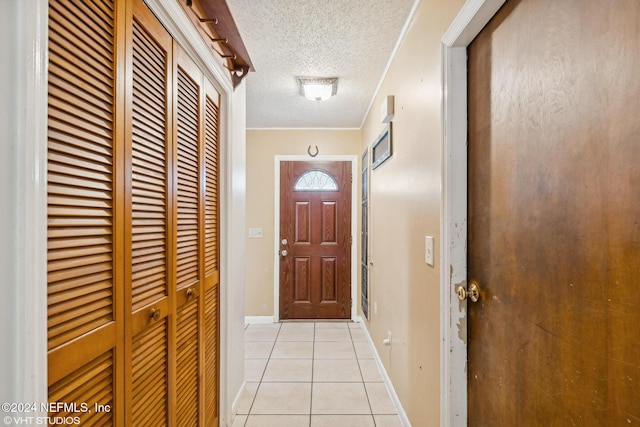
x=472, y=292
x=283, y=252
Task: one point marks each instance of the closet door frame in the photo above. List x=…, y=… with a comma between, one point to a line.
x=23, y=263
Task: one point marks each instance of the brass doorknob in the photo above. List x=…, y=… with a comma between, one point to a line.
x=155, y=314
x=472, y=292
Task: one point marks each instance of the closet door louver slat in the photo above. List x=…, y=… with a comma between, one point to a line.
x=149, y=170
x=188, y=137
x=211, y=185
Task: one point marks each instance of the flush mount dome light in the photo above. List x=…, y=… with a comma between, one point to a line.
x=318, y=88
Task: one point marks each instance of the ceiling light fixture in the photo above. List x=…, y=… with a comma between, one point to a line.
x=318, y=88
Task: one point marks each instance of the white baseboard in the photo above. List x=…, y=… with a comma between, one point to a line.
x=396, y=401
x=235, y=404
x=258, y=319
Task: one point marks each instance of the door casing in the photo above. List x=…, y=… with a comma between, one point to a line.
x=354, y=224
x=471, y=19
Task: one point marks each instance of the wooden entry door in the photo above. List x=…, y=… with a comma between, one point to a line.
x=315, y=240
x=554, y=215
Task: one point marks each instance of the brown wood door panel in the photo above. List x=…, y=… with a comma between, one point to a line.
x=210, y=358
x=150, y=364
x=150, y=237
x=187, y=386
x=76, y=278
x=554, y=236
x=315, y=274
x=90, y=383
x=189, y=137
x=84, y=349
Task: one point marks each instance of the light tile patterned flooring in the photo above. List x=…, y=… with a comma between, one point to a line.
x=312, y=374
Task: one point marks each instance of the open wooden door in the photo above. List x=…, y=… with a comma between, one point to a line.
x=554, y=208
x=315, y=245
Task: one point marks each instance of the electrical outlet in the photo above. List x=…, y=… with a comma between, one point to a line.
x=387, y=341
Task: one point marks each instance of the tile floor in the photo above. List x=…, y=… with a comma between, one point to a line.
x=312, y=374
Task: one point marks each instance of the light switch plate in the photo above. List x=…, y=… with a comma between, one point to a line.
x=428, y=250
x=255, y=233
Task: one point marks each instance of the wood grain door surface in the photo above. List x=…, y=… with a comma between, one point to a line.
x=554, y=215
x=315, y=273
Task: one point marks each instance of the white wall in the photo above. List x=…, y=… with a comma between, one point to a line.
x=262, y=148
x=23, y=215
x=405, y=206
x=233, y=255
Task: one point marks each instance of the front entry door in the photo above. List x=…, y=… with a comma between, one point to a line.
x=315, y=240
x=554, y=215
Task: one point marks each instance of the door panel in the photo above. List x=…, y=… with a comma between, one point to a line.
x=149, y=165
x=187, y=363
x=150, y=394
x=211, y=269
x=188, y=137
x=149, y=218
x=82, y=249
x=92, y=381
x=189, y=210
x=316, y=223
x=554, y=238
x=80, y=179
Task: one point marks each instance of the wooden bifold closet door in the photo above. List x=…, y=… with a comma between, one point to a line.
x=133, y=221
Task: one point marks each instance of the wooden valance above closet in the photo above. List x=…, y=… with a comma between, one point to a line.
x=216, y=25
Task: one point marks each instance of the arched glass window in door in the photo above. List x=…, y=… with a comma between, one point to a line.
x=315, y=180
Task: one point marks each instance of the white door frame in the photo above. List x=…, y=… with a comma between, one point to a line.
x=474, y=15
x=23, y=190
x=354, y=223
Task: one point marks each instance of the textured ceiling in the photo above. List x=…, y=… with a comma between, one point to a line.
x=349, y=39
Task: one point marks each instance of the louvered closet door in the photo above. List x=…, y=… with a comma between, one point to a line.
x=84, y=352
x=189, y=138
x=211, y=256
x=149, y=230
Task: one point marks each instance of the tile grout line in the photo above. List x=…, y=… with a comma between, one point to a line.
x=313, y=379
x=313, y=362
x=262, y=376
x=366, y=392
